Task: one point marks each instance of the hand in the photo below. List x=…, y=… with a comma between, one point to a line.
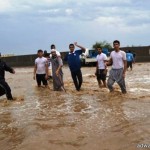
x=46, y=76
x=107, y=64
x=57, y=72
x=123, y=75
x=75, y=43
x=34, y=77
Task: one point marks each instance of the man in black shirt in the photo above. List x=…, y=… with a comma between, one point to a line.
x=4, y=87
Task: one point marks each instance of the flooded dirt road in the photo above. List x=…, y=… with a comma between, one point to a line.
x=92, y=119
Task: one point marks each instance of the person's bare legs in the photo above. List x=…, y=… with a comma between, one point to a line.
x=99, y=83
x=104, y=84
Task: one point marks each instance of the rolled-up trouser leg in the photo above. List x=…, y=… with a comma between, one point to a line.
x=120, y=79
x=110, y=81
x=122, y=85
x=7, y=89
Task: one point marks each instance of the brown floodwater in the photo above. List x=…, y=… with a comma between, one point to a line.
x=92, y=119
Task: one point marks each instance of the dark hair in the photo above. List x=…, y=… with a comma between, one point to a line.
x=53, y=46
x=39, y=51
x=116, y=41
x=98, y=47
x=71, y=45
x=45, y=53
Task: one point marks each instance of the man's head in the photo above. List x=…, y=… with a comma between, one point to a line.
x=46, y=54
x=40, y=53
x=129, y=51
x=53, y=46
x=71, y=47
x=99, y=50
x=53, y=52
x=116, y=45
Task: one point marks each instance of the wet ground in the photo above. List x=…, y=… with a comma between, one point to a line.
x=92, y=119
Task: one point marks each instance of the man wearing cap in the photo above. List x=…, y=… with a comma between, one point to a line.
x=57, y=64
x=53, y=47
x=4, y=87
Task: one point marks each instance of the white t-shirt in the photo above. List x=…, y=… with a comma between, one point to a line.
x=100, y=59
x=117, y=58
x=41, y=62
x=57, y=53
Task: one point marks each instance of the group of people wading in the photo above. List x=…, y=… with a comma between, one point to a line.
x=49, y=67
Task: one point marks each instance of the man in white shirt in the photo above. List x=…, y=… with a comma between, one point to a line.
x=41, y=69
x=101, y=68
x=119, y=65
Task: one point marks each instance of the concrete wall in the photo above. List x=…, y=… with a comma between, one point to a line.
x=19, y=61
x=24, y=60
x=142, y=55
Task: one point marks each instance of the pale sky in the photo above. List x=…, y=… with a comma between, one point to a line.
x=26, y=26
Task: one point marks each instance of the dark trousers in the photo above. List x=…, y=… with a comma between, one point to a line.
x=129, y=64
x=77, y=79
x=41, y=78
x=5, y=89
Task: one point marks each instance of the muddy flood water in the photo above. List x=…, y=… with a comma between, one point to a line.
x=92, y=119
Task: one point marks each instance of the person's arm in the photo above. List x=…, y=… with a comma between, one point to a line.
x=133, y=60
x=125, y=64
x=109, y=62
x=96, y=65
x=96, y=68
x=7, y=68
x=34, y=72
x=82, y=48
x=60, y=65
x=46, y=69
x=125, y=67
x=105, y=61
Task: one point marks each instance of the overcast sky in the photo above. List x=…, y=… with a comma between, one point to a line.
x=28, y=25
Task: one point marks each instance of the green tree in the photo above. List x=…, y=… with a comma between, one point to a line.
x=103, y=44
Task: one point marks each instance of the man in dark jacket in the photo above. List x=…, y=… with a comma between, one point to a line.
x=74, y=62
x=4, y=87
